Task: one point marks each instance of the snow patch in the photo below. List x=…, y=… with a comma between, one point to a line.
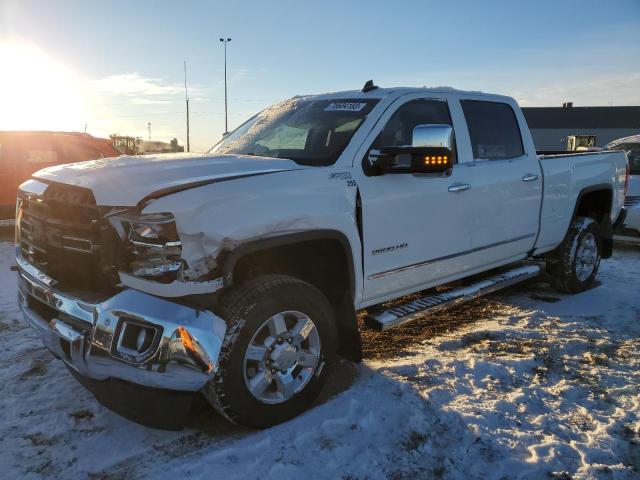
x=536, y=390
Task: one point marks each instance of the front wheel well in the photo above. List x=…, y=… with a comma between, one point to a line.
x=322, y=263
x=326, y=263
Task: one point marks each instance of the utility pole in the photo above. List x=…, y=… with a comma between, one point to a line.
x=186, y=97
x=226, y=122
x=149, y=128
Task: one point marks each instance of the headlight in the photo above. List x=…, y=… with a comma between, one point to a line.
x=154, y=247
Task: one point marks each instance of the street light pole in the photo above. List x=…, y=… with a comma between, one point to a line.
x=186, y=97
x=226, y=122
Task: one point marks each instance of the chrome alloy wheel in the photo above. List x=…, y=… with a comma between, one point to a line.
x=282, y=357
x=586, y=256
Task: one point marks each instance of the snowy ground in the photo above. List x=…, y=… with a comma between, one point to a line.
x=528, y=384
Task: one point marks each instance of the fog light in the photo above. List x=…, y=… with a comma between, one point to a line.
x=136, y=340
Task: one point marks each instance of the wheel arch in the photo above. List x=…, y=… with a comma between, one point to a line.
x=596, y=201
x=323, y=258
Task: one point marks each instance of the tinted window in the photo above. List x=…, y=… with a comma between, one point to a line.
x=37, y=149
x=399, y=129
x=77, y=150
x=41, y=155
x=493, y=129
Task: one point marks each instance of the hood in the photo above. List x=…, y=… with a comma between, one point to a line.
x=125, y=180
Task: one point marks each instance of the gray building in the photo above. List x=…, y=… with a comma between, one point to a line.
x=550, y=126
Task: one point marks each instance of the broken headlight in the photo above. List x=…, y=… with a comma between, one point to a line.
x=153, y=245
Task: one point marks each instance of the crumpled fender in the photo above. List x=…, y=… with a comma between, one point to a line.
x=219, y=217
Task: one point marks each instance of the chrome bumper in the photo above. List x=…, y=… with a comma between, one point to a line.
x=179, y=347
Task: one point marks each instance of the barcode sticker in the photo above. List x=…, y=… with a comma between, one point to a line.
x=345, y=107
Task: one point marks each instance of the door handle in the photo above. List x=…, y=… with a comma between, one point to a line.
x=530, y=177
x=459, y=187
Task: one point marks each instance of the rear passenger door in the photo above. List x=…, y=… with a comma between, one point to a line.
x=503, y=203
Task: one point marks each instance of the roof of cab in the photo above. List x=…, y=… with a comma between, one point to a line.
x=380, y=93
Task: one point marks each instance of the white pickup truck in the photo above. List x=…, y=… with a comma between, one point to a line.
x=239, y=273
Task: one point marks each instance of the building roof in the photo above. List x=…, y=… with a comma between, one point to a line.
x=582, y=117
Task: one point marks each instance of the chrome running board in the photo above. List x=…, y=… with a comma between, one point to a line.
x=384, y=319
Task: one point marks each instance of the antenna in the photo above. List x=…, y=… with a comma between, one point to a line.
x=368, y=86
x=186, y=98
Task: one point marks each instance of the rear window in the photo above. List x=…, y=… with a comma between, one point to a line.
x=41, y=155
x=37, y=149
x=633, y=154
x=77, y=150
x=493, y=129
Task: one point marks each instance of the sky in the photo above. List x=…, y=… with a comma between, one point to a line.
x=115, y=66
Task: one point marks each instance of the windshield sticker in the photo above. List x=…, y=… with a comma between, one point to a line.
x=345, y=107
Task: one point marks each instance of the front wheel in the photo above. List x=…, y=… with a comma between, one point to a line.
x=280, y=335
x=574, y=264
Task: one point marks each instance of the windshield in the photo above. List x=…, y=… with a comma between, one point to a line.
x=633, y=154
x=309, y=132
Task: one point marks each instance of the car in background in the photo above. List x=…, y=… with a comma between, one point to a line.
x=631, y=145
x=24, y=152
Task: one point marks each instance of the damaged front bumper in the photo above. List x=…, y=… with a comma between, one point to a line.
x=132, y=336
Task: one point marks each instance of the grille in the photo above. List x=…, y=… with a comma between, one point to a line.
x=62, y=233
x=631, y=201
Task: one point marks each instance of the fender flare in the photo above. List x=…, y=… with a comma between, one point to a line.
x=228, y=259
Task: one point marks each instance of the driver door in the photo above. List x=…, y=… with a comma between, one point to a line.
x=414, y=233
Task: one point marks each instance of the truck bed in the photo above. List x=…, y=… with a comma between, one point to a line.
x=569, y=175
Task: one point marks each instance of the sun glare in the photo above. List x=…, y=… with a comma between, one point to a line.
x=37, y=92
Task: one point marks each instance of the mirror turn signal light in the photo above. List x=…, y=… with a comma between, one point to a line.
x=436, y=159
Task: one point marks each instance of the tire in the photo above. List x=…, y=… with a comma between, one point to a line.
x=567, y=267
x=268, y=302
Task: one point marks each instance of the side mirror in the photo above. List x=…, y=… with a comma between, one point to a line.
x=431, y=151
x=433, y=135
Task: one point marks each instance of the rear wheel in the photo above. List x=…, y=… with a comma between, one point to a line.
x=574, y=264
x=280, y=334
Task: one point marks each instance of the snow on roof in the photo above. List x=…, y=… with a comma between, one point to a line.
x=381, y=92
